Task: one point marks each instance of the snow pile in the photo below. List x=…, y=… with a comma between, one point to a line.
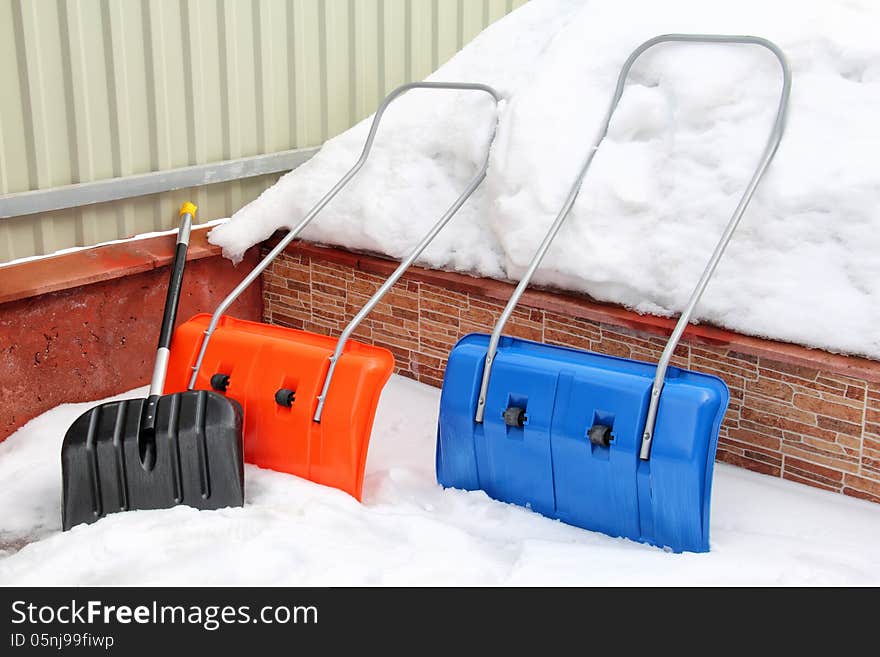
x=409, y=530
x=692, y=123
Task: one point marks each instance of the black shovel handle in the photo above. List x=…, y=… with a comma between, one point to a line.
x=146, y=436
x=187, y=214
x=172, y=298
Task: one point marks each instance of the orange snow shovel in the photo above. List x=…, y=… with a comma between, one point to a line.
x=309, y=400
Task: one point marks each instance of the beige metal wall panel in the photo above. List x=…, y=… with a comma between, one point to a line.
x=96, y=89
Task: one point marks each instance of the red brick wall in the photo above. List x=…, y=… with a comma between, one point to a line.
x=62, y=343
x=810, y=424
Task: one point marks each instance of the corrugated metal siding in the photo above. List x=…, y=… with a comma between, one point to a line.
x=94, y=89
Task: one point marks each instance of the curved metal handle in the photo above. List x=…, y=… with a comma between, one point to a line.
x=311, y=214
x=410, y=258
x=766, y=158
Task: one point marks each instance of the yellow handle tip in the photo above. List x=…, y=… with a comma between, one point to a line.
x=188, y=208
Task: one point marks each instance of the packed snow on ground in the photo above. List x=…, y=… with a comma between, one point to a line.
x=690, y=128
x=409, y=531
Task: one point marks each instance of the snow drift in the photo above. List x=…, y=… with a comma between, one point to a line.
x=409, y=531
x=803, y=265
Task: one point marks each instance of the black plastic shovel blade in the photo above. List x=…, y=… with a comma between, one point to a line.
x=193, y=458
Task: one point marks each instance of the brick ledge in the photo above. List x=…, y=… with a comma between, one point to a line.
x=121, y=259
x=96, y=264
x=585, y=308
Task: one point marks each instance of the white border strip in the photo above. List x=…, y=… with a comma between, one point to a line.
x=115, y=189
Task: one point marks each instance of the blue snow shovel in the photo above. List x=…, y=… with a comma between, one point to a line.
x=609, y=444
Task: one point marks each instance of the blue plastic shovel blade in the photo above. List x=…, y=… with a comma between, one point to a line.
x=549, y=463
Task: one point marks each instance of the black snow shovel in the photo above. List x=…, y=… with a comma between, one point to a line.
x=155, y=453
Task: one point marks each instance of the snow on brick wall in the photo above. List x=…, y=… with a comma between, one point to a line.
x=691, y=125
x=805, y=424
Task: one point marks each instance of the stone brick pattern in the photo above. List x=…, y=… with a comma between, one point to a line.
x=804, y=424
